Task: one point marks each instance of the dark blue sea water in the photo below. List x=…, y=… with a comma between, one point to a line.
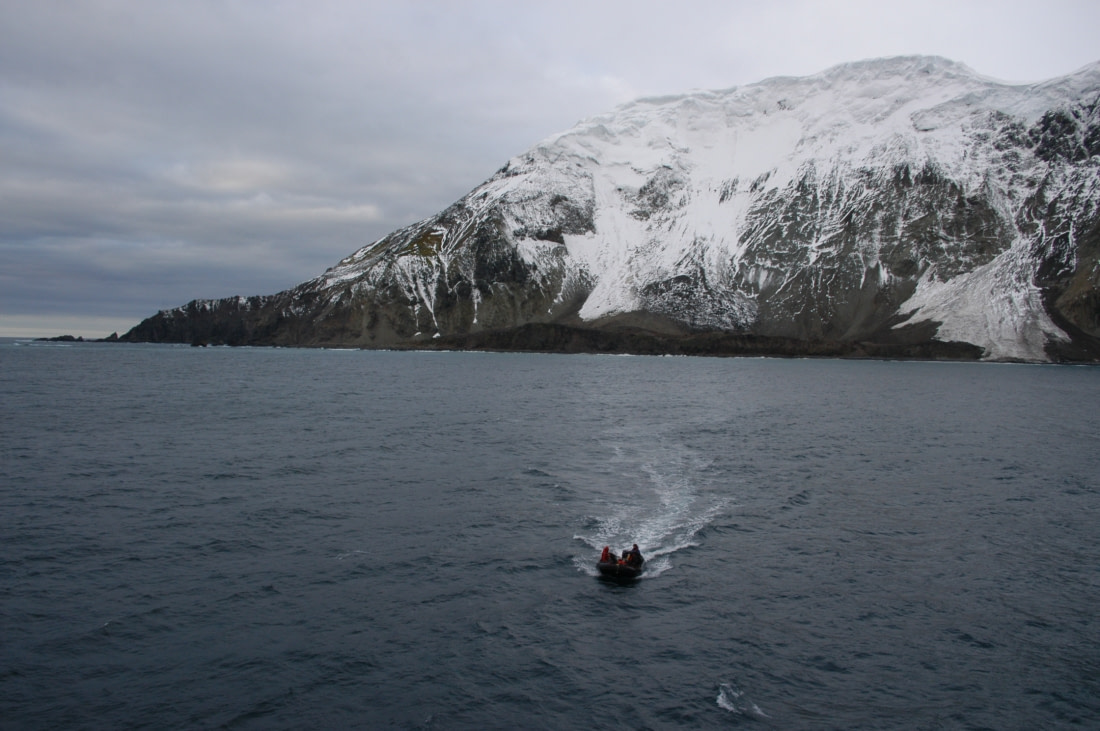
x=288, y=539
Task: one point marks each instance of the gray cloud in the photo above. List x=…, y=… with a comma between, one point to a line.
x=151, y=153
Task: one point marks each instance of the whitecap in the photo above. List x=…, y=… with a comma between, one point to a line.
x=732, y=699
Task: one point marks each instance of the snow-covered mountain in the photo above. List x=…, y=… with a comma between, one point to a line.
x=897, y=202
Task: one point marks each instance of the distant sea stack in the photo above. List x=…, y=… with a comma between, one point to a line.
x=901, y=207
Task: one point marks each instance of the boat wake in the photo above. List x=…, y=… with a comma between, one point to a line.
x=663, y=509
x=732, y=699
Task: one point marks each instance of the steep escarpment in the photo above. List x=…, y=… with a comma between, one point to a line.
x=897, y=206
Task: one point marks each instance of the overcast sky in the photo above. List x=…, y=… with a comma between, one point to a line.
x=153, y=152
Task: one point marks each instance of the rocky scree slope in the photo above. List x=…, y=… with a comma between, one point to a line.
x=903, y=206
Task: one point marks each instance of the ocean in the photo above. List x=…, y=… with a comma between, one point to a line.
x=263, y=538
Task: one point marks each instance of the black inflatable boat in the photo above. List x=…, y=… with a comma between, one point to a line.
x=628, y=567
x=619, y=569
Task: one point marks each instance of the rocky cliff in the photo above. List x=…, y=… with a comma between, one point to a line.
x=903, y=207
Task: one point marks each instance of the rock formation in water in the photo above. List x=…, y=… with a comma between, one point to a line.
x=897, y=207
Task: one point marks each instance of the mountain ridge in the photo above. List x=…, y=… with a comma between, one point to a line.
x=894, y=202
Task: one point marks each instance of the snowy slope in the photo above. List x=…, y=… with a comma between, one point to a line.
x=722, y=152
x=893, y=198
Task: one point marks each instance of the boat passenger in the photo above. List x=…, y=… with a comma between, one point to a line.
x=633, y=557
x=606, y=555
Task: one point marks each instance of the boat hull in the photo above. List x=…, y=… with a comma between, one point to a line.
x=614, y=569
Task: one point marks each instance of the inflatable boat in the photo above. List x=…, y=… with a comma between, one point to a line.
x=628, y=567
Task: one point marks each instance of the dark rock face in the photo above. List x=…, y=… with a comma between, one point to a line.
x=964, y=229
x=808, y=247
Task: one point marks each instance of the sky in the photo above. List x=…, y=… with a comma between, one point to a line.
x=158, y=151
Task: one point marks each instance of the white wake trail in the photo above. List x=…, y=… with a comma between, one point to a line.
x=663, y=513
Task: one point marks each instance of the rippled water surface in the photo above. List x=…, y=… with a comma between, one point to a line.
x=270, y=539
